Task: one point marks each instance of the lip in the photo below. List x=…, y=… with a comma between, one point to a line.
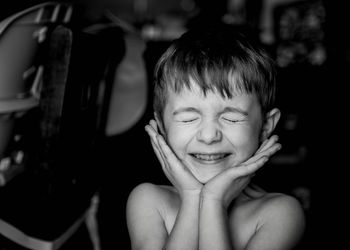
x=209, y=158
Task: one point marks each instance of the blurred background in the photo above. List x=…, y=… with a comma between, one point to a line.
x=116, y=44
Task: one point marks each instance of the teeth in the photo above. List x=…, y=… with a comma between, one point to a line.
x=211, y=157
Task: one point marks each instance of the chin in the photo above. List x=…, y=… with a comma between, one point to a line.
x=206, y=177
x=206, y=172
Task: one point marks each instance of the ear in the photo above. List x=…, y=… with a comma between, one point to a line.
x=160, y=124
x=271, y=120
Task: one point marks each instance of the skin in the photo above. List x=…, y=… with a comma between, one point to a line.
x=209, y=148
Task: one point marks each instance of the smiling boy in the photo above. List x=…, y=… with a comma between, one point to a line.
x=214, y=118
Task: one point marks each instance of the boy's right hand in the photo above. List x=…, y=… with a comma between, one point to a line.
x=175, y=170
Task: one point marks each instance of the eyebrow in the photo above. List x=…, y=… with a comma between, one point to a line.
x=234, y=110
x=226, y=110
x=186, y=109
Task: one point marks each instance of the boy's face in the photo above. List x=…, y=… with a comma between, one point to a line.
x=211, y=133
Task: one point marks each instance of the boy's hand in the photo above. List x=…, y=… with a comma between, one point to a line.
x=175, y=170
x=227, y=185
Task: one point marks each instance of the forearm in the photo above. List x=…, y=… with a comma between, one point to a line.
x=184, y=235
x=213, y=226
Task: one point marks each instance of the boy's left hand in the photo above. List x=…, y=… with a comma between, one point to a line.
x=227, y=185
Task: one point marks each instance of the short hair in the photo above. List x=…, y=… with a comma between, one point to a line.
x=212, y=59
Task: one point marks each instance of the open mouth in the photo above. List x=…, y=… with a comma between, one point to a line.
x=210, y=158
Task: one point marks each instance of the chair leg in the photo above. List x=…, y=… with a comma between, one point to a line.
x=91, y=222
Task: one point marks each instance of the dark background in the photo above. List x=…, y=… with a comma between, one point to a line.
x=308, y=40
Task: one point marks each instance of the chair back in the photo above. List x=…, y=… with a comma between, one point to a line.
x=21, y=38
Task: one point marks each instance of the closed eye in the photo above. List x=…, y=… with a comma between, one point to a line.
x=233, y=120
x=189, y=120
x=186, y=117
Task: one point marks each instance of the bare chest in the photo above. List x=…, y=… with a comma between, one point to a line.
x=242, y=223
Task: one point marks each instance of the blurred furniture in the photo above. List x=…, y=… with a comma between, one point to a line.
x=22, y=37
x=49, y=123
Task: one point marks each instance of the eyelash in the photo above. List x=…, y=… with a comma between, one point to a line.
x=232, y=121
x=190, y=120
x=228, y=120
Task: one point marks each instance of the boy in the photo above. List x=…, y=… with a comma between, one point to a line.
x=214, y=118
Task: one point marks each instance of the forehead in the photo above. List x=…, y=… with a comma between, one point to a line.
x=212, y=100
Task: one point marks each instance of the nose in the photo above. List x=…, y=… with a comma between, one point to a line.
x=209, y=133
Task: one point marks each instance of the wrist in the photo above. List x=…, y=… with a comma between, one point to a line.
x=190, y=200
x=190, y=194
x=211, y=194
x=209, y=203
x=209, y=198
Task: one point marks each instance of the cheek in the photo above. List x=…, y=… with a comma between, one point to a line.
x=178, y=139
x=245, y=141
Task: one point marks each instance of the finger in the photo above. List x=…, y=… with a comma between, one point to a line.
x=151, y=132
x=267, y=143
x=155, y=144
x=174, y=169
x=268, y=152
x=168, y=154
x=164, y=165
x=158, y=153
x=171, y=161
x=162, y=147
x=162, y=160
x=261, y=147
x=249, y=169
x=154, y=125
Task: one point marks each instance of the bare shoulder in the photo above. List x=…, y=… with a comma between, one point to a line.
x=267, y=220
x=146, y=188
x=145, y=219
x=276, y=206
x=281, y=207
x=147, y=198
x=148, y=193
x=281, y=219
